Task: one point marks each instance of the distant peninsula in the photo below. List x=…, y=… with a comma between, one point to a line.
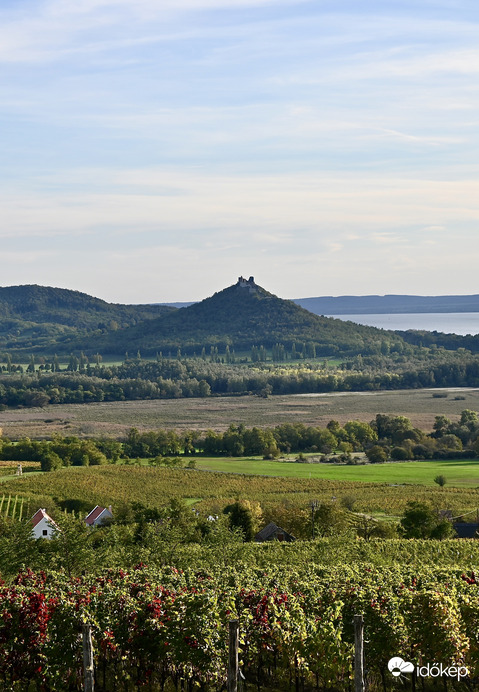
x=388, y=304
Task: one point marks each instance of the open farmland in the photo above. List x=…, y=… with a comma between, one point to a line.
x=156, y=486
x=461, y=473
x=114, y=419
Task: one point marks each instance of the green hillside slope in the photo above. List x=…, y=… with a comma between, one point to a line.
x=241, y=316
x=42, y=317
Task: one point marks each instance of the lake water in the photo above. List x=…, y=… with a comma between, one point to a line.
x=449, y=322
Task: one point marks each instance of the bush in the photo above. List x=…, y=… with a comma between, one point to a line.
x=377, y=454
x=421, y=521
x=50, y=461
x=399, y=454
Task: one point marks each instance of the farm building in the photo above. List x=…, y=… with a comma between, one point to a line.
x=272, y=532
x=43, y=525
x=98, y=516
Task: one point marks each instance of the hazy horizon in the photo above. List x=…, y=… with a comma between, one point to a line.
x=220, y=288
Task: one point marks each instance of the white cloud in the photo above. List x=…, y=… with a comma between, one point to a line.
x=187, y=133
x=174, y=201
x=424, y=139
x=386, y=238
x=51, y=28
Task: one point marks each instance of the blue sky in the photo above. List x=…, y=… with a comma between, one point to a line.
x=154, y=151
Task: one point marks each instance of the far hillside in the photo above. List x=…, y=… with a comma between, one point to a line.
x=388, y=304
x=244, y=319
x=243, y=316
x=42, y=317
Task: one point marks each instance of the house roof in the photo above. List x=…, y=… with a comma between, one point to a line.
x=94, y=514
x=266, y=532
x=39, y=515
x=446, y=514
x=466, y=530
x=269, y=531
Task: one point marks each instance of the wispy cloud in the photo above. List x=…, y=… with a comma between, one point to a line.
x=423, y=139
x=28, y=257
x=241, y=136
x=173, y=201
x=387, y=238
x=50, y=29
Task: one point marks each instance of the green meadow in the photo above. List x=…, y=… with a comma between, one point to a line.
x=458, y=473
x=384, y=488
x=463, y=473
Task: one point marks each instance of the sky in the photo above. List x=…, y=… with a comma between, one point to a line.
x=155, y=150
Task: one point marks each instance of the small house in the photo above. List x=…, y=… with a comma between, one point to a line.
x=43, y=525
x=272, y=532
x=98, y=516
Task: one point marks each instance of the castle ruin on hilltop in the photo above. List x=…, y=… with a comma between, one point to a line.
x=247, y=283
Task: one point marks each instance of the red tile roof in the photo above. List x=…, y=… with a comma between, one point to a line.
x=38, y=516
x=94, y=514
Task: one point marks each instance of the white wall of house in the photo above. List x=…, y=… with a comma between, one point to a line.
x=44, y=529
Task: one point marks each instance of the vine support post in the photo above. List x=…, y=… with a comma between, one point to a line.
x=359, y=654
x=88, y=669
x=314, y=506
x=233, y=656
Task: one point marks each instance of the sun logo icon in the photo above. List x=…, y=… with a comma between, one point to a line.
x=398, y=666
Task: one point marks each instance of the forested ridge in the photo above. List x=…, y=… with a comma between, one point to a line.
x=45, y=321
x=240, y=319
x=41, y=317
x=240, y=341
x=421, y=337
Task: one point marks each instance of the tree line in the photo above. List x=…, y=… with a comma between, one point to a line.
x=385, y=437
x=166, y=378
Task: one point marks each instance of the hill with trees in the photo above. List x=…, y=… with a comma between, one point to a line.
x=44, y=317
x=243, y=316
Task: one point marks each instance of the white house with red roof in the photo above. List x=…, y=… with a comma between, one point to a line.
x=98, y=515
x=43, y=525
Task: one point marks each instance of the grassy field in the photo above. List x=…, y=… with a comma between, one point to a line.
x=115, y=418
x=463, y=473
x=376, y=489
x=459, y=473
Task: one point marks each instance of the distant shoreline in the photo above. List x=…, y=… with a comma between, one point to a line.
x=389, y=304
x=461, y=323
x=379, y=305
